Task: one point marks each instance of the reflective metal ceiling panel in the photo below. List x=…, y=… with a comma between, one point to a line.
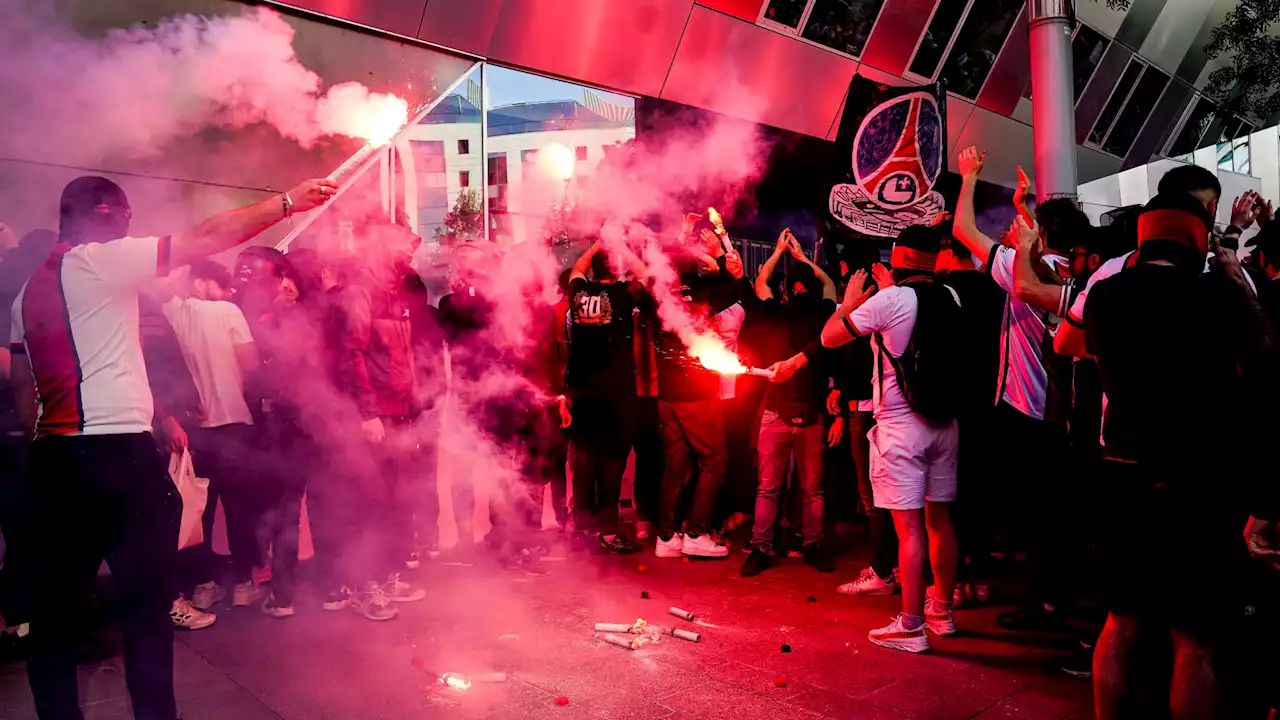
x=465, y=25
x=731, y=67
x=397, y=16
x=622, y=45
x=1011, y=73
x=742, y=9
x=1006, y=141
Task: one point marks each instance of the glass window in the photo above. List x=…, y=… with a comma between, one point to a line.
x=580, y=152
x=464, y=146
x=936, y=37
x=842, y=25
x=1233, y=146
x=1086, y=52
x=1135, y=114
x=1113, y=106
x=497, y=168
x=1193, y=128
x=977, y=45
x=785, y=12
x=464, y=179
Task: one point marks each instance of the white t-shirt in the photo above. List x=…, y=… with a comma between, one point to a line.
x=1024, y=383
x=76, y=319
x=892, y=313
x=729, y=326
x=208, y=333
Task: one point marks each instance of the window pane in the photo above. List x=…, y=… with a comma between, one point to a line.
x=464, y=179
x=936, y=37
x=1135, y=114
x=785, y=12
x=1193, y=129
x=1086, y=52
x=580, y=152
x=977, y=45
x=1118, y=96
x=464, y=147
x=842, y=25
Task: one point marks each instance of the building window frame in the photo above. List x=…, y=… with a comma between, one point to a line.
x=1184, y=117
x=1102, y=141
x=464, y=178
x=946, y=51
x=1110, y=41
x=798, y=31
x=1004, y=43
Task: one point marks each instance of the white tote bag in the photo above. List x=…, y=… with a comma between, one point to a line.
x=195, y=494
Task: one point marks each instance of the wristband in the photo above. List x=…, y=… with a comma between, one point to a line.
x=287, y=203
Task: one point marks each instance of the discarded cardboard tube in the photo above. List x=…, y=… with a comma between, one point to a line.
x=614, y=627
x=760, y=372
x=682, y=614
x=619, y=641
x=682, y=634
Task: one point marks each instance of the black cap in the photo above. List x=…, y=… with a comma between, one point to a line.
x=919, y=237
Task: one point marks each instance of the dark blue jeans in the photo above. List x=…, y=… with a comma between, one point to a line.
x=778, y=442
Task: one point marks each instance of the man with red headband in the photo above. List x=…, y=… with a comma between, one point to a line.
x=1162, y=331
x=913, y=458
x=99, y=487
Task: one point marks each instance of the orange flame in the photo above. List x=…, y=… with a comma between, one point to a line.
x=714, y=356
x=714, y=216
x=385, y=118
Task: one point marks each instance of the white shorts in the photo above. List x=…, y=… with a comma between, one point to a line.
x=913, y=462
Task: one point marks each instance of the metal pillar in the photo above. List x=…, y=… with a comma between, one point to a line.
x=1053, y=116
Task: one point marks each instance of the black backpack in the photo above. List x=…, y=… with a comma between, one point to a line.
x=928, y=373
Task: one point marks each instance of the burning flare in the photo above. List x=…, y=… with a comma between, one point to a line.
x=714, y=356
x=350, y=109
x=455, y=681
x=714, y=216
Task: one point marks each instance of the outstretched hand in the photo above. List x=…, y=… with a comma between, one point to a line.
x=312, y=194
x=1026, y=238
x=1245, y=209
x=857, y=292
x=882, y=275
x=971, y=161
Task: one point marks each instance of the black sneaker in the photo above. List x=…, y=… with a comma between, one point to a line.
x=1034, y=619
x=757, y=562
x=619, y=545
x=339, y=599
x=818, y=559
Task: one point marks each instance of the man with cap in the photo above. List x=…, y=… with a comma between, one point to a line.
x=100, y=490
x=913, y=459
x=1161, y=330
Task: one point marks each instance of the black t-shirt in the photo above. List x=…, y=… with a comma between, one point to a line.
x=1169, y=342
x=601, y=327
x=790, y=329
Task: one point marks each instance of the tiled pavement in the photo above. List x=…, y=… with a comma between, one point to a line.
x=538, y=630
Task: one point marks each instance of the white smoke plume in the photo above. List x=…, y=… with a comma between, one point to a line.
x=132, y=91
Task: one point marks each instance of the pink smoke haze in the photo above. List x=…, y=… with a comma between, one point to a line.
x=132, y=91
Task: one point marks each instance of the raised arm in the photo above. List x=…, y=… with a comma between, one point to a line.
x=828, y=287
x=966, y=226
x=583, y=264
x=1027, y=285
x=837, y=330
x=766, y=270
x=229, y=229
x=1020, y=197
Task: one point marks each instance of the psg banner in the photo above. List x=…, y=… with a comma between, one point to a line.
x=890, y=150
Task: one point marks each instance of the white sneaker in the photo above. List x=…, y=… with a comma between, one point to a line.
x=895, y=636
x=672, y=548
x=207, y=595
x=868, y=583
x=186, y=617
x=271, y=609
x=373, y=603
x=704, y=546
x=939, y=621
x=642, y=530
x=245, y=593
x=398, y=590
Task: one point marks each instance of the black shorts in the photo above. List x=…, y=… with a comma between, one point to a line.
x=1172, y=555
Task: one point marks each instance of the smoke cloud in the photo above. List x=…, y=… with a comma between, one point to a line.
x=134, y=90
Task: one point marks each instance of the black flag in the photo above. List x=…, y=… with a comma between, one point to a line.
x=890, y=150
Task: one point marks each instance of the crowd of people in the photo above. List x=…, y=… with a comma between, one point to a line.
x=1093, y=398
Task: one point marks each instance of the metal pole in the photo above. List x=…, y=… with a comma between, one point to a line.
x=1053, y=117
x=484, y=153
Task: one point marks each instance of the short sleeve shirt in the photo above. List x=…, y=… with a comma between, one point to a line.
x=209, y=333
x=891, y=316
x=1023, y=381
x=77, y=321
